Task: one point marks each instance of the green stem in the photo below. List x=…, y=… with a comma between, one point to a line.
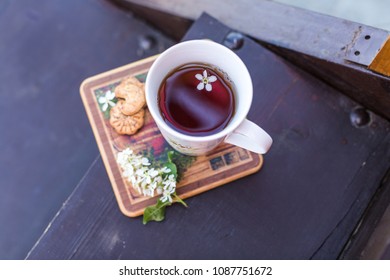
x=179, y=200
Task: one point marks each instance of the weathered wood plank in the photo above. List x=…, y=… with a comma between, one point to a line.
x=305, y=202
x=285, y=26
x=323, y=45
x=46, y=49
x=371, y=236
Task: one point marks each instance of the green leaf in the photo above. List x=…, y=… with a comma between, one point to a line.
x=170, y=156
x=155, y=212
x=172, y=167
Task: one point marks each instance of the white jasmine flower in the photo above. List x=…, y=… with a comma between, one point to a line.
x=143, y=186
x=153, y=186
x=133, y=180
x=205, y=81
x=166, y=195
x=106, y=100
x=165, y=170
x=129, y=171
x=140, y=172
x=146, y=180
x=145, y=161
x=136, y=162
x=152, y=172
x=127, y=152
x=122, y=159
x=170, y=183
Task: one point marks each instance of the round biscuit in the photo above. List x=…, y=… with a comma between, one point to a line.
x=133, y=92
x=132, y=80
x=124, y=124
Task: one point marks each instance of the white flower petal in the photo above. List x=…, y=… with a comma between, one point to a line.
x=153, y=173
x=110, y=95
x=158, y=179
x=169, y=198
x=139, y=172
x=209, y=87
x=199, y=77
x=145, y=161
x=102, y=99
x=112, y=104
x=205, y=74
x=146, y=180
x=165, y=170
x=212, y=79
x=200, y=86
x=104, y=107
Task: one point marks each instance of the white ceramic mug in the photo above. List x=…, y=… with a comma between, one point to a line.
x=240, y=131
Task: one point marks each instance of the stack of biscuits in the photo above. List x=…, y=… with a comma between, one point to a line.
x=127, y=116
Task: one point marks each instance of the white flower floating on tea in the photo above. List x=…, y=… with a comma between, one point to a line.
x=151, y=181
x=106, y=100
x=205, y=81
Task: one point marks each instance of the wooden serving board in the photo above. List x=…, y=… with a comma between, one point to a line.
x=197, y=174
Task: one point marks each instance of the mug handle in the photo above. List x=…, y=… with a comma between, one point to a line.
x=250, y=137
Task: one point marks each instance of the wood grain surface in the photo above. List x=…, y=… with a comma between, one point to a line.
x=47, y=49
x=325, y=48
x=316, y=181
x=381, y=62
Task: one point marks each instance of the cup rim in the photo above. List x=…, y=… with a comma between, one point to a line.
x=158, y=118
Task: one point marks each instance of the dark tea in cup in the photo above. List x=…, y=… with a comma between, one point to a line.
x=196, y=105
x=196, y=99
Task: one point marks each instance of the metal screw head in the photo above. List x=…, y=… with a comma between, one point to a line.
x=234, y=40
x=360, y=117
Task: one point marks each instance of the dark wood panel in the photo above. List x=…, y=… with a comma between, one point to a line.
x=321, y=44
x=370, y=89
x=171, y=25
x=305, y=202
x=370, y=238
x=47, y=48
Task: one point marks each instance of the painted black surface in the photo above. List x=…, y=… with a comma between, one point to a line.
x=46, y=145
x=316, y=181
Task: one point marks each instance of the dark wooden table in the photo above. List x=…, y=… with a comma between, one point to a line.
x=47, y=49
x=325, y=165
